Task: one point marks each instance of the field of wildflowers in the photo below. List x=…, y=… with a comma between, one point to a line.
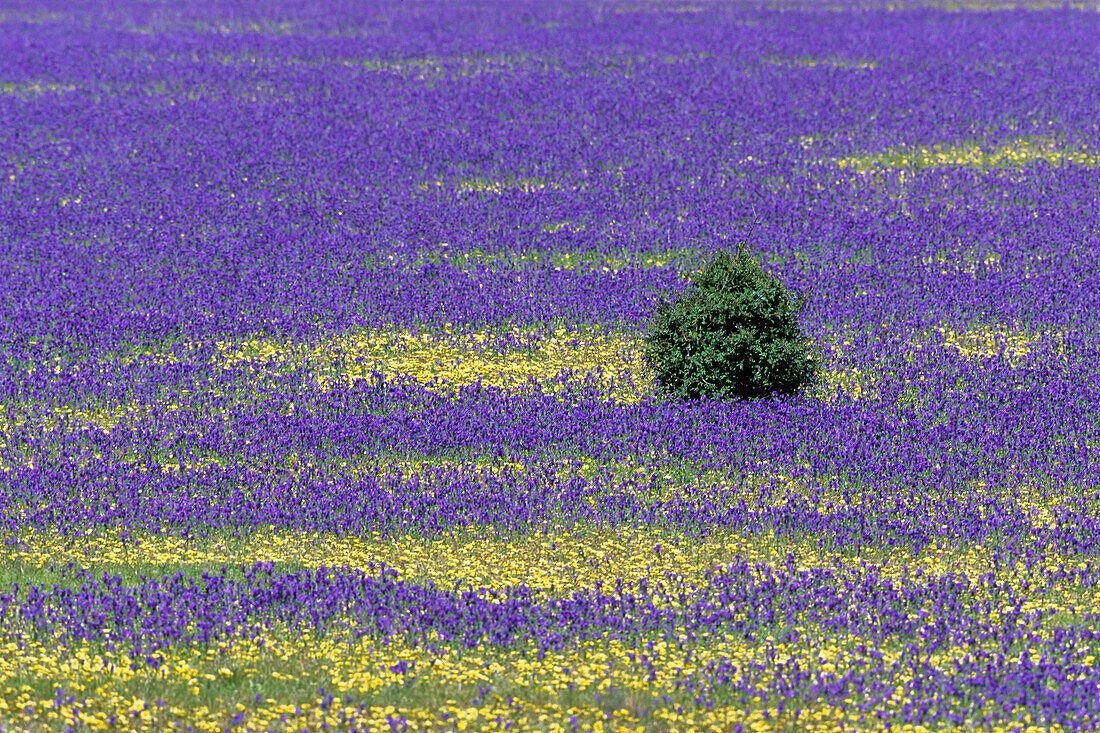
x=322, y=406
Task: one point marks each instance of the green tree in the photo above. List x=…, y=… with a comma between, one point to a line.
x=733, y=334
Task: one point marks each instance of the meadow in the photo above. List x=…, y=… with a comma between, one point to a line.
x=321, y=397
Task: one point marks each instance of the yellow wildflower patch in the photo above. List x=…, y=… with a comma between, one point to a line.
x=274, y=678
x=985, y=6
x=27, y=90
x=527, y=184
x=557, y=226
x=657, y=8
x=987, y=341
x=601, y=684
x=830, y=62
x=1009, y=154
x=450, y=360
x=551, y=564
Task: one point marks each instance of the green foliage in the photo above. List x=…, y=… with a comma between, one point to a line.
x=734, y=334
